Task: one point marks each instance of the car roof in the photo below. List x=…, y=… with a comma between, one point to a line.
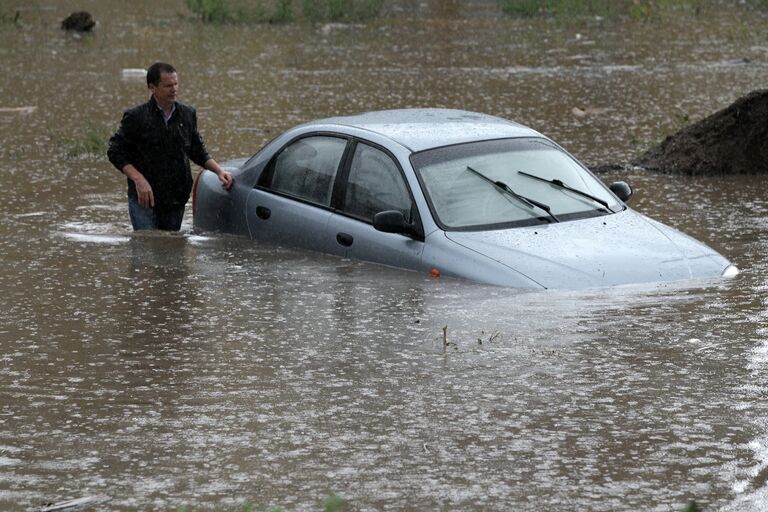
x=423, y=128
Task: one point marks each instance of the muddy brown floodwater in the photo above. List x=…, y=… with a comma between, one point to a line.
x=207, y=371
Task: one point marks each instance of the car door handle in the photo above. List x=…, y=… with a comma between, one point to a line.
x=345, y=239
x=263, y=213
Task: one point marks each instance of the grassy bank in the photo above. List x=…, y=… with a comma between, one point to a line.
x=634, y=9
x=346, y=11
x=284, y=11
x=92, y=142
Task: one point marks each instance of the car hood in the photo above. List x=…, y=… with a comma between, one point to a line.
x=609, y=250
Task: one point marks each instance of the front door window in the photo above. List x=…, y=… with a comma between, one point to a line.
x=375, y=185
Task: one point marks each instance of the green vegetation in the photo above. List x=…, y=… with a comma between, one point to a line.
x=332, y=503
x=283, y=11
x=635, y=9
x=231, y=11
x=336, y=504
x=341, y=10
x=348, y=11
x=91, y=143
x=445, y=343
x=11, y=18
x=212, y=11
x=271, y=11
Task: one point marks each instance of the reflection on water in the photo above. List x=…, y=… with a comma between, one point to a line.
x=200, y=369
x=171, y=369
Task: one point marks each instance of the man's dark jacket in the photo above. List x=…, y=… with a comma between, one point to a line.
x=160, y=152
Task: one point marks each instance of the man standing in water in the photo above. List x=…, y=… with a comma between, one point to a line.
x=153, y=147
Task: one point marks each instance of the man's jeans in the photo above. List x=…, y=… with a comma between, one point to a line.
x=167, y=219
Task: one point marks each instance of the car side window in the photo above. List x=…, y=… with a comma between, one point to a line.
x=307, y=168
x=375, y=185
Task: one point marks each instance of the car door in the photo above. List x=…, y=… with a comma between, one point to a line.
x=373, y=183
x=290, y=203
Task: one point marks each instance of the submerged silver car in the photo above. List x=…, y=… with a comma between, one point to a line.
x=451, y=193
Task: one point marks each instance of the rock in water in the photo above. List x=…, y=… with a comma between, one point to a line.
x=81, y=21
x=731, y=141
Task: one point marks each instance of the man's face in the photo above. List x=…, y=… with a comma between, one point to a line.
x=166, y=89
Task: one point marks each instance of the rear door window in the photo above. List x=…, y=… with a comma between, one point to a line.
x=306, y=169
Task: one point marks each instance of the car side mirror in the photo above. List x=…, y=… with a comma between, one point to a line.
x=622, y=190
x=393, y=221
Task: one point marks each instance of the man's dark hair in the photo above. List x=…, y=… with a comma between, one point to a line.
x=153, y=73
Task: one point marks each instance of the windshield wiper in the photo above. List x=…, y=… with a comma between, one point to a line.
x=562, y=185
x=531, y=203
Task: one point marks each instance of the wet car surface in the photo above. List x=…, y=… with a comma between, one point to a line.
x=453, y=193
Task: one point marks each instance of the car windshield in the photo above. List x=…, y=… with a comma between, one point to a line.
x=508, y=183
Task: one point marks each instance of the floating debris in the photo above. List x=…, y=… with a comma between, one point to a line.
x=576, y=111
x=74, y=504
x=80, y=21
x=20, y=110
x=133, y=73
x=589, y=111
x=248, y=129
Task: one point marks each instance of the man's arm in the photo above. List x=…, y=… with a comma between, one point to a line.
x=225, y=177
x=199, y=155
x=143, y=188
x=120, y=153
x=121, y=148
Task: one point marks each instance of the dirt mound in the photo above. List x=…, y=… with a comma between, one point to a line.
x=731, y=141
